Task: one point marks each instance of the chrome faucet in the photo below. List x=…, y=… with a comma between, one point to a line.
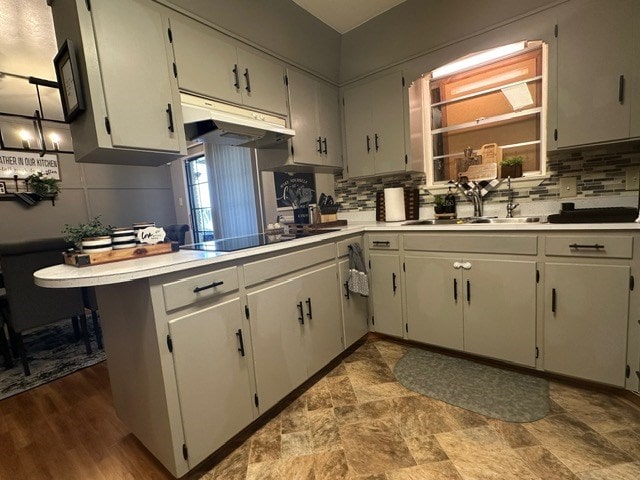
x=472, y=192
x=510, y=205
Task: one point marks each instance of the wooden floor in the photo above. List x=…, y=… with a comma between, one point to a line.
x=68, y=430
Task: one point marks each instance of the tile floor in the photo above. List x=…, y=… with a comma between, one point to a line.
x=359, y=423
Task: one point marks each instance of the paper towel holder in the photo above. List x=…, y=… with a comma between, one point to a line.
x=411, y=204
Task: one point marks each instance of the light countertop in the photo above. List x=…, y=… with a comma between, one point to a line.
x=64, y=276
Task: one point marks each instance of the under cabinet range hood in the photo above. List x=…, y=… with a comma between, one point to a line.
x=210, y=121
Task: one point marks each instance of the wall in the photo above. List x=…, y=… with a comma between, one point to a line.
x=417, y=27
x=280, y=27
x=120, y=194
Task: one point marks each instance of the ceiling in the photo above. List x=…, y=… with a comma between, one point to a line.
x=345, y=15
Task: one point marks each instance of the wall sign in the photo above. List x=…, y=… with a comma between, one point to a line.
x=69, y=81
x=296, y=190
x=24, y=164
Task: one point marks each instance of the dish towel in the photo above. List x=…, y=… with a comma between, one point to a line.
x=358, y=281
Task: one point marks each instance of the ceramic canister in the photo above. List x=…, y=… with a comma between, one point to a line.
x=96, y=244
x=123, y=237
x=140, y=226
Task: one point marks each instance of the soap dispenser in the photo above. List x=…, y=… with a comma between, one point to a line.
x=450, y=203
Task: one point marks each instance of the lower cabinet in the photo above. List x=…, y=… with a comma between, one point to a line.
x=354, y=309
x=485, y=307
x=585, y=321
x=210, y=353
x=385, y=293
x=295, y=331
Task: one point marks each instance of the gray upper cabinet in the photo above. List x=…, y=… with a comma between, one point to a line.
x=210, y=64
x=132, y=99
x=595, y=72
x=374, y=117
x=315, y=116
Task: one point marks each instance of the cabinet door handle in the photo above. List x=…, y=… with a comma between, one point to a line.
x=621, y=89
x=246, y=77
x=300, y=313
x=376, y=141
x=324, y=142
x=207, y=287
x=346, y=289
x=553, y=300
x=308, y=302
x=368, y=144
x=380, y=243
x=393, y=282
x=468, y=292
x=576, y=246
x=170, y=114
x=455, y=290
x=319, y=140
x=235, y=75
x=240, y=342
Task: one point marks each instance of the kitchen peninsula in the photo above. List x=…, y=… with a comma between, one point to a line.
x=200, y=344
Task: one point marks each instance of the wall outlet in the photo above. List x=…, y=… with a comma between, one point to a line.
x=568, y=187
x=632, y=181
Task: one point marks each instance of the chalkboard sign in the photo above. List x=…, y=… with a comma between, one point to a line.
x=296, y=190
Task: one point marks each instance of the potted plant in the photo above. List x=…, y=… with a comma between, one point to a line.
x=438, y=204
x=41, y=185
x=511, y=166
x=92, y=236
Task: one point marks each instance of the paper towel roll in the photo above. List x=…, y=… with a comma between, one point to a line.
x=394, y=204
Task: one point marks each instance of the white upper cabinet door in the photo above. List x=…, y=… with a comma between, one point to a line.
x=262, y=83
x=374, y=117
x=357, y=124
x=595, y=58
x=329, y=124
x=387, y=123
x=205, y=62
x=307, y=142
x=135, y=71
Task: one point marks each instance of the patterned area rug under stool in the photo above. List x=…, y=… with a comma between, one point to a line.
x=497, y=393
x=53, y=353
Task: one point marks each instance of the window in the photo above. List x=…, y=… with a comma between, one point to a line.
x=498, y=104
x=199, y=199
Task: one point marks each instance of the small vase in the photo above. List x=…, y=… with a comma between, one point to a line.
x=96, y=244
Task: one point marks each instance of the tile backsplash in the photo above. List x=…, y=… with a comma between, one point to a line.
x=598, y=173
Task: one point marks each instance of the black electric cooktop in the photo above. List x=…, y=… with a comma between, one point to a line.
x=249, y=241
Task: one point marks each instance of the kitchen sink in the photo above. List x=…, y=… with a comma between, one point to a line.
x=472, y=221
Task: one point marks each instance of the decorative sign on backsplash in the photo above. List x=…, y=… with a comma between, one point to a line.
x=296, y=190
x=24, y=164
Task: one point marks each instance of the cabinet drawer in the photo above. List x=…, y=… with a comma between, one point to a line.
x=590, y=246
x=343, y=245
x=199, y=287
x=507, y=244
x=382, y=241
x=262, y=270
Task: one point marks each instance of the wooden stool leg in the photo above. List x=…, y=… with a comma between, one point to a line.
x=4, y=349
x=23, y=354
x=97, y=329
x=76, y=328
x=85, y=333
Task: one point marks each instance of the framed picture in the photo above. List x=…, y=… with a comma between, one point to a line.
x=66, y=67
x=3, y=188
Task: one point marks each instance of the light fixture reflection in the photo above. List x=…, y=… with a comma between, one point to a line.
x=25, y=136
x=55, y=141
x=477, y=59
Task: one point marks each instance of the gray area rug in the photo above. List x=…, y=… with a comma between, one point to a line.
x=496, y=393
x=53, y=353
